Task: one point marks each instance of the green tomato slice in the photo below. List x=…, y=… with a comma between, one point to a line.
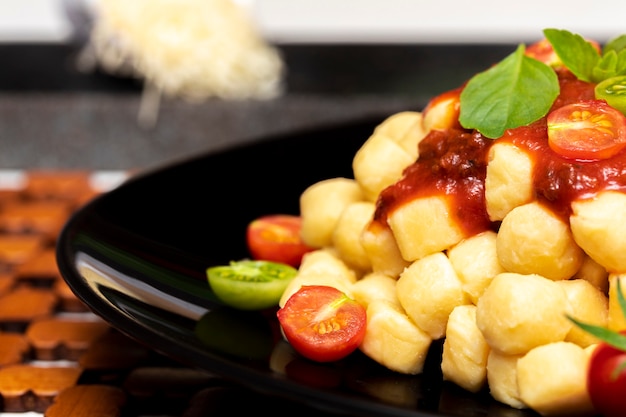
x=250, y=285
x=613, y=90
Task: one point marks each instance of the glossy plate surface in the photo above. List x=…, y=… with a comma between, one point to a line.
x=137, y=256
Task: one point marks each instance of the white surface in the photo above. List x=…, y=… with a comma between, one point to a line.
x=359, y=21
x=458, y=21
x=33, y=20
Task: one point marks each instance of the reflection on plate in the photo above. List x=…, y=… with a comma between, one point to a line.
x=137, y=256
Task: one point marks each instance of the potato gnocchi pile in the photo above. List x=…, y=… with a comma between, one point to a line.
x=500, y=297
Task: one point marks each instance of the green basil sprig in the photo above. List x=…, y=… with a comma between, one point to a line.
x=519, y=90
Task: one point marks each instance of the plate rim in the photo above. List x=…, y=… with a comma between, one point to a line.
x=276, y=385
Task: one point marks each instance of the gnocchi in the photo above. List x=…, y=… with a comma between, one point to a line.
x=489, y=249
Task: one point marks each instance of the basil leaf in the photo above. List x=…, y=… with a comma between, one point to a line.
x=616, y=44
x=576, y=53
x=610, y=65
x=620, y=67
x=516, y=92
x=613, y=338
x=606, y=67
x=620, y=297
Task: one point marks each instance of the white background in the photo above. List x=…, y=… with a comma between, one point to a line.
x=355, y=21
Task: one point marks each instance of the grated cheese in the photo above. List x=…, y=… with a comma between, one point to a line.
x=192, y=49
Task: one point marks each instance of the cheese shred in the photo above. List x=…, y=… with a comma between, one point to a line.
x=190, y=49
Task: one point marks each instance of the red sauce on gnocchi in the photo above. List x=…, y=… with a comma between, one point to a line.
x=453, y=163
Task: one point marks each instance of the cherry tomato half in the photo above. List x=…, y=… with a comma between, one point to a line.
x=277, y=238
x=613, y=90
x=322, y=323
x=587, y=130
x=250, y=285
x=606, y=380
x=542, y=51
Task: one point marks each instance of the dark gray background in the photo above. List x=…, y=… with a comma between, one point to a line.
x=54, y=117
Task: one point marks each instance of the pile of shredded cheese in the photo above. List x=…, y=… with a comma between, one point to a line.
x=192, y=49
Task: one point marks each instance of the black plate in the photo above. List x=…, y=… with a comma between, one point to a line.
x=137, y=256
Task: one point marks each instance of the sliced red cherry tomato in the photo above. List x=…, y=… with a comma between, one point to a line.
x=250, y=285
x=322, y=323
x=613, y=90
x=277, y=238
x=587, y=130
x=542, y=51
x=606, y=380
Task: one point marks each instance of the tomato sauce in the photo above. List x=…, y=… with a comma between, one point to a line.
x=557, y=180
x=452, y=163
